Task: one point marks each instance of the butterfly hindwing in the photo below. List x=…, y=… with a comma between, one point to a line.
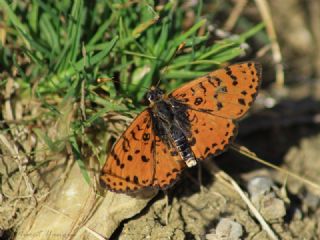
x=210, y=133
x=168, y=165
x=130, y=165
x=226, y=92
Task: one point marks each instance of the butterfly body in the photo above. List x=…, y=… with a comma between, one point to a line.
x=171, y=125
x=193, y=122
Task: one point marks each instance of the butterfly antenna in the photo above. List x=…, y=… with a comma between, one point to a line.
x=179, y=48
x=107, y=79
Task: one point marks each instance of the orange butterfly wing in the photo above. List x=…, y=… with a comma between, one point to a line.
x=227, y=92
x=168, y=165
x=215, y=102
x=139, y=160
x=210, y=134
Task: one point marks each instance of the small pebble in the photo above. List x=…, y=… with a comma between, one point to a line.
x=265, y=199
x=272, y=207
x=297, y=214
x=259, y=185
x=311, y=200
x=227, y=229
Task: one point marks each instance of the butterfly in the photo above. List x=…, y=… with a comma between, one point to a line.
x=177, y=130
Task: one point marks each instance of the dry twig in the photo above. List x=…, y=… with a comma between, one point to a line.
x=234, y=15
x=276, y=53
x=251, y=155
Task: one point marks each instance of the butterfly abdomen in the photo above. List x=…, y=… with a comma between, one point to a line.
x=181, y=132
x=182, y=145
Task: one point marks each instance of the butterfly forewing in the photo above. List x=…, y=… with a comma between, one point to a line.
x=226, y=92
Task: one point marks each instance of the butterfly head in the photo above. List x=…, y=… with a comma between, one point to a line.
x=155, y=94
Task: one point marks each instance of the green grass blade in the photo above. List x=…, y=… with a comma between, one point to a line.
x=79, y=159
x=49, y=33
x=12, y=16
x=72, y=46
x=93, y=60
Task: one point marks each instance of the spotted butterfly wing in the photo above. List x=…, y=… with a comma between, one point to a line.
x=168, y=165
x=215, y=102
x=139, y=159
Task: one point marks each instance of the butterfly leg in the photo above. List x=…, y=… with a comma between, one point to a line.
x=166, y=195
x=196, y=152
x=200, y=178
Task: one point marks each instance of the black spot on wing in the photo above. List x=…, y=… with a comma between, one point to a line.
x=244, y=92
x=134, y=135
x=125, y=144
x=214, y=81
x=198, y=101
x=203, y=88
x=136, y=180
x=219, y=105
x=240, y=112
x=144, y=158
x=146, y=136
x=193, y=91
x=206, y=150
x=242, y=101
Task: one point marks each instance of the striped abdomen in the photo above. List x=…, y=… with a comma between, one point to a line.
x=182, y=145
